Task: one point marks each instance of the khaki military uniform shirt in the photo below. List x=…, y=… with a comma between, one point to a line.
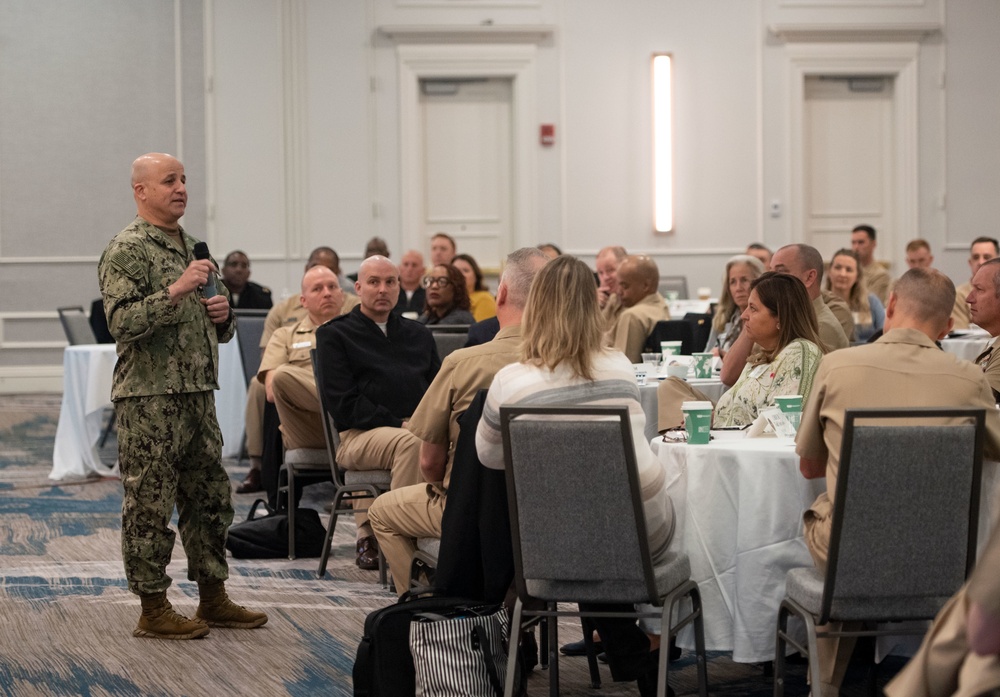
x=162, y=348
x=290, y=311
x=463, y=373
x=960, y=313
x=289, y=346
x=842, y=311
x=636, y=323
x=904, y=368
x=831, y=333
x=989, y=361
x=877, y=279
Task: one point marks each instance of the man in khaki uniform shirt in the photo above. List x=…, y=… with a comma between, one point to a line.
x=643, y=306
x=960, y=655
x=981, y=250
x=285, y=314
x=402, y=515
x=984, y=308
x=877, y=278
x=286, y=368
x=903, y=368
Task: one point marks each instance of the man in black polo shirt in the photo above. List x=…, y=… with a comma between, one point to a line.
x=376, y=367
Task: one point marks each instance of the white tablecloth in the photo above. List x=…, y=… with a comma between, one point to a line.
x=968, y=346
x=87, y=374
x=712, y=387
x=739, y=507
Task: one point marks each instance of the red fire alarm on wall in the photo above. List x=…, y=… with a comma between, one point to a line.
x=547, y=134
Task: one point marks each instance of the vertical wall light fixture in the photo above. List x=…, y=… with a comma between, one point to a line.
x=663, y=143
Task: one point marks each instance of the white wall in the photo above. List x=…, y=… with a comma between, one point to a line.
x=286, y=113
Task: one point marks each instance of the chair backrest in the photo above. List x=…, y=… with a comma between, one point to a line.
x=906, y=512
x=249, y=330
x=701, y=328
x=329, y=428
x=449, y=341
x=573, y=495
x=674, y=284
x=449, y=328
x=76, y=324
x=673, y=330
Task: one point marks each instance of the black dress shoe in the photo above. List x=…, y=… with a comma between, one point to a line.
x=367, y=553
x=647, y=681
x=579, y=648
x=251, y=484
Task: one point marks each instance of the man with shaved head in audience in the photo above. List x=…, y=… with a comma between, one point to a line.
x=642, y=305
x=984, y=309
x=904, y=368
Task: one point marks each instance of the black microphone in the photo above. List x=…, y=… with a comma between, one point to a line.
x=201, y=252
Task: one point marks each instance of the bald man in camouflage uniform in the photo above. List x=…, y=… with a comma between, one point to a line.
x=169, y=443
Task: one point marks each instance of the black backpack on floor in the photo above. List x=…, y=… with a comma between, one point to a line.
x=266, y=536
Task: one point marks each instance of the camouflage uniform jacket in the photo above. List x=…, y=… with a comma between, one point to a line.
x=162, y=348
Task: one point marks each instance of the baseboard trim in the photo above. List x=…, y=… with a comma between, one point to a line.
x=31, y=379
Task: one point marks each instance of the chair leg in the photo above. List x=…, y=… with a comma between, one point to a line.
x=543, y=644
x=291, y=511
x=515, y=631
x=588, y=642
x=553, y=653
x=328, y=541
x=779, y=652
x=108, y=428
x=699, y=642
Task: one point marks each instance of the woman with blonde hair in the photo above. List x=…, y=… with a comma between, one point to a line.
x=563, y=362
x=741, y=271
x=847, y=281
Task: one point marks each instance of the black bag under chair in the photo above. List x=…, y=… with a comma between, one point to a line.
x=385, y=665
x=266, y=536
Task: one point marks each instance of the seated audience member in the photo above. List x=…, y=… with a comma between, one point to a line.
x=99, y=323
x=286, y=313
x=401, y=516
x=411, y=293
x=443, y=249
x=244, y=294
x=760, y=252
x=376, y=367
x=806, y=264
x=374, y=246
x=918, y=254
x=846, y=280
x=863, y=244
x=563, y=362
x=981, y=250
x=642, y=305
x=984, y=308
x=780, y=320
x=481, y=332
x=481, y=302
x=961, y=653
x=286, y=368
x=904, y=368
x=447, y=299
x=607, y=262
x=550, y=250
x=727, y=324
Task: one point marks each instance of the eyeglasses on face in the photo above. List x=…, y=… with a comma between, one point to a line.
x=436, y=281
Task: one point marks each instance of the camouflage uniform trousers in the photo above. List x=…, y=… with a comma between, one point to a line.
x=169, y=449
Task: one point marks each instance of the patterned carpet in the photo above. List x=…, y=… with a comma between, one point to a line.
x=68, y=617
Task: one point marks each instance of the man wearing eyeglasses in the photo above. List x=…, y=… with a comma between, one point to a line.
x=376, y=367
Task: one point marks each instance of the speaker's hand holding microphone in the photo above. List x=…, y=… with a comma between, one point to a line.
x=199, y=276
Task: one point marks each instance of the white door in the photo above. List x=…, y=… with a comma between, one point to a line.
x=466, y=165
x=848, y=162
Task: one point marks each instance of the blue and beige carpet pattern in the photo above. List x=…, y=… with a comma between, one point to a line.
x=66, y=617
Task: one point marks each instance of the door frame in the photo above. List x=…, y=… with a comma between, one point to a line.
x=897, y=60
x=516, y=62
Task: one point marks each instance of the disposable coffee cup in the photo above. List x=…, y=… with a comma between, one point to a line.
x=670, y=348
x=641, y=369
x=697, y=421
x=702, y=364
x=677, y=370
x=791, y=406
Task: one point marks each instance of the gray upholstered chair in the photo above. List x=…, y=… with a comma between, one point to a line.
x=350, y=485
x=447, y=342
x=249, y=330
x=76, y=325
x=905, y=518
x=578, y=530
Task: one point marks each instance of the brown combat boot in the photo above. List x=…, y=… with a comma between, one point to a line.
x=159, y=621
x=217, y=610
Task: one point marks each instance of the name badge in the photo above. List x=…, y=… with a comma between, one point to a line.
x=302, y=344
x=759, y=370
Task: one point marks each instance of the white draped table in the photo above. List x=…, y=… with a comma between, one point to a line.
x=967, y=345
x=87, y=375
x=711, y=387
x=739, y=505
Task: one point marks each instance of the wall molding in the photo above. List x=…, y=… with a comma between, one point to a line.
x=31, y=379
x=468, y=34
x=906, y=32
